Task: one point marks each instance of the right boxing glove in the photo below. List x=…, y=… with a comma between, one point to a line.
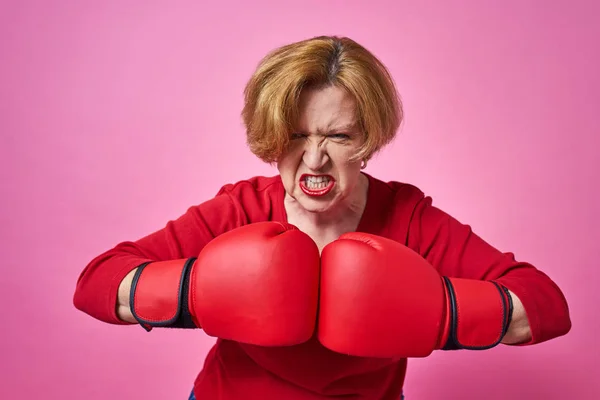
x=257, y=284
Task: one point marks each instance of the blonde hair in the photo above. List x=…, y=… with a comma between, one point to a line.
x=272, y=94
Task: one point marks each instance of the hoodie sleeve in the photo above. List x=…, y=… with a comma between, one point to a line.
x=456, y=251
x=97, y=285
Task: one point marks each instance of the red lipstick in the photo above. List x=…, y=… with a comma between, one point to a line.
x=316, y=185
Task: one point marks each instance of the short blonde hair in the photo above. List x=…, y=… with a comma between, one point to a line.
x=272, y=94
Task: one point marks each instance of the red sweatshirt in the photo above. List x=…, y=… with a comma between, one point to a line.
x=309, y=371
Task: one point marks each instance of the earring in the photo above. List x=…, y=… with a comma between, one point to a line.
x=363, y=164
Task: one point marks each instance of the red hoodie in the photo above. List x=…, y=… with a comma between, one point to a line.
x=309, y=371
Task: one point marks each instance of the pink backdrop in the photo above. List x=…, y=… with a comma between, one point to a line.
x=115, y=116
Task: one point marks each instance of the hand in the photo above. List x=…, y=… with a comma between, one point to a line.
x=257, y=284
x=381, y=299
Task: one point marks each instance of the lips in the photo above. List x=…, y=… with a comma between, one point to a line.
x=316, y=185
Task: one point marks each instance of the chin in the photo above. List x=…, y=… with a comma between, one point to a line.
x=315, y=208
x=317, y=204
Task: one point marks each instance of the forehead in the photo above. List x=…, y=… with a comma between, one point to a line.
x=325, y=109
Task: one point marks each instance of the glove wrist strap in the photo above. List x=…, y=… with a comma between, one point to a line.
x=159, y=294
x=479, y=312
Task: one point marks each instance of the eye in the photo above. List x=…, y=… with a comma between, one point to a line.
x=296, y=136
x=339, y=136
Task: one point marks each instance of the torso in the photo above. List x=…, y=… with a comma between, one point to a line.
x=309, y=371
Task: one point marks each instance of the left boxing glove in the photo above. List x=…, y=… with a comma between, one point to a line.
x=256, y=284
x=379, y=298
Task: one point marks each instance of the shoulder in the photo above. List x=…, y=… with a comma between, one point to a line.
x=257, y=197
x=255, y=184
x=396, y=208
x=399, y=194
x=414, y=219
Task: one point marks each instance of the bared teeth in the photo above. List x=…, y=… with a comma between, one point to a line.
x=316, y=182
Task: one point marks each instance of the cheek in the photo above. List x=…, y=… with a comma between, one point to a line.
x=349, y=177
x=288, y=168
x=347, y=171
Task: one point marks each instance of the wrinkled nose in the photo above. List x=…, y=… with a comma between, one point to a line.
x=315, y=155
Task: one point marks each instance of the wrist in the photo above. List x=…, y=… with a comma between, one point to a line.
x=159, y=294
x=519, y=330
x=479, y=314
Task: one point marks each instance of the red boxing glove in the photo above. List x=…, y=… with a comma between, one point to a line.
x=257, y=284
x=381, y=299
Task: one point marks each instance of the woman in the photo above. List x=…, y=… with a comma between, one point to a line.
x=323, y=280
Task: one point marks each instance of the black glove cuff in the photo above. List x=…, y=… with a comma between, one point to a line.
x=182, y=317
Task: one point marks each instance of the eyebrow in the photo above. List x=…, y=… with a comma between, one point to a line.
x=347, y=128
x=343, y=128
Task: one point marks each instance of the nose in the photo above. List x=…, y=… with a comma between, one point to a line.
x=315, y=155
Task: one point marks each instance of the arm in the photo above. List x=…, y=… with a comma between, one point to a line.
x=448, y=290
x=102, y=289
x=519, y=330
x=123, y=309
x=540, y=311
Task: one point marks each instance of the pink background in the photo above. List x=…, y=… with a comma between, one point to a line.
x=116, y=116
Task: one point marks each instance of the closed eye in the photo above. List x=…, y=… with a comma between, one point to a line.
x=296, y=136
x=339, y=136
x=333, y=136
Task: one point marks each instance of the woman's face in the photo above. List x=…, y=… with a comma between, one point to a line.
x=315, y=169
